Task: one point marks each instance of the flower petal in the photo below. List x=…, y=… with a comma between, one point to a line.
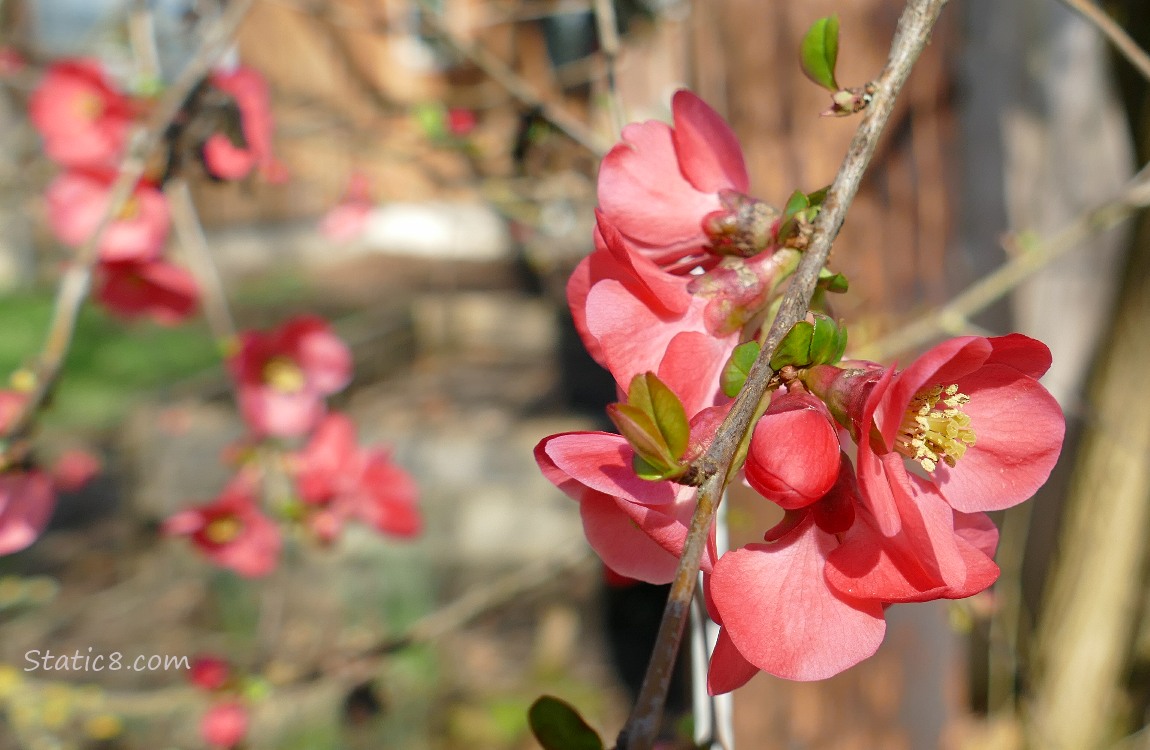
x=782, y=616
x=1019, y=428
x=708, y=150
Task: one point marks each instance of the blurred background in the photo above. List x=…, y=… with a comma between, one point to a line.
x=479, y=125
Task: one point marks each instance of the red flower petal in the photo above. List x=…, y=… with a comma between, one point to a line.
x=781, y=615
x=708, y=150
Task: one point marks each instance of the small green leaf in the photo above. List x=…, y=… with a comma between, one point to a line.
x=820, y=51
x=795, y=348
x=669, y=415
x=833, y=282
x=738, y=367
x=797, y=202
x=558, y=726
x=824, y=339
x=643, y=435
x=644, y=470
x=639, y=396
x=818, y=197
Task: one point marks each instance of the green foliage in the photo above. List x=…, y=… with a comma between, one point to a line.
x=806, y=344
x=819, y=52
x=558, y=726
x=655, y=424
x=739, y=367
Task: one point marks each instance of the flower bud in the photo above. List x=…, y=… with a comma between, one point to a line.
x=794, y=453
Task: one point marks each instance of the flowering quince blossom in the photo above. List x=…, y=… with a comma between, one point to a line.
x=232, y=532
x=153, y=289
x=74, y=468
x=283, y=376
x=225, y=724
x=233, y=159
x=662, y=184
x=971, y=413
x=637, y=527
x=82, y=118
x=77, y=199
x=337, y=479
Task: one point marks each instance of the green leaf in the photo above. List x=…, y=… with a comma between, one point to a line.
x=558, y=726
x=797, y=202
x=840, y=344
x=643, y=435
x=738, y=367
x=819, y=52
x=824, y=339
x=795, y=348
x=669, y=415
x=833, y=282
x=639, y=396
x=818, y=197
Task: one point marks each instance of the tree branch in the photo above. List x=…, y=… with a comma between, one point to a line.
x=911, y=38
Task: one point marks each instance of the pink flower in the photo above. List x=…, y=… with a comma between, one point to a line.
x=26, y=504
x=232, y=532
x=661, y=184
x=284, y=375
x=348, y=219
x=636, y=526
x=155, y=289
x=209, y=672
x=984, y=433
x=794, y=453
x=225, y=724
x=83, y=119
x=337, y=479
x=233, y=159
x=77, y=200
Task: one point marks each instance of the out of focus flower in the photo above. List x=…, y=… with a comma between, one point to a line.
x=225, y=724
x=154, y=288
x=338, y=479
x=209, y=672
x=78, y=199
x=82, y=118
x=460, y=121
x=232, y=156
x=232, y=532
x=347, y=220
x=75, y=468
x=26, y=504
x=284, y=375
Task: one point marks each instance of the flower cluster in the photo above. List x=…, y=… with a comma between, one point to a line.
x=282, y=379
x=685, y=268
x=84, y=120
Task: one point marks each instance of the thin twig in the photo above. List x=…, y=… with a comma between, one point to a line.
x=608, y=27
x=190, y=234
x=501, y=73
x=74, y=285
x=1134, y=54
x=953, y=315
x=910, y=39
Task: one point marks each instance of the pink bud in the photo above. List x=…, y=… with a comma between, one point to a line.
x=794, y=453
x=225, y=724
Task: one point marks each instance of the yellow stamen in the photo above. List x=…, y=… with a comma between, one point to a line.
x=284, y=375
x=223, y=530
x=929, y=434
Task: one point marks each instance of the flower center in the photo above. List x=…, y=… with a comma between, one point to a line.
x=284, y=375
x=935, y=428
x=223, y=529
x=88, y=106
